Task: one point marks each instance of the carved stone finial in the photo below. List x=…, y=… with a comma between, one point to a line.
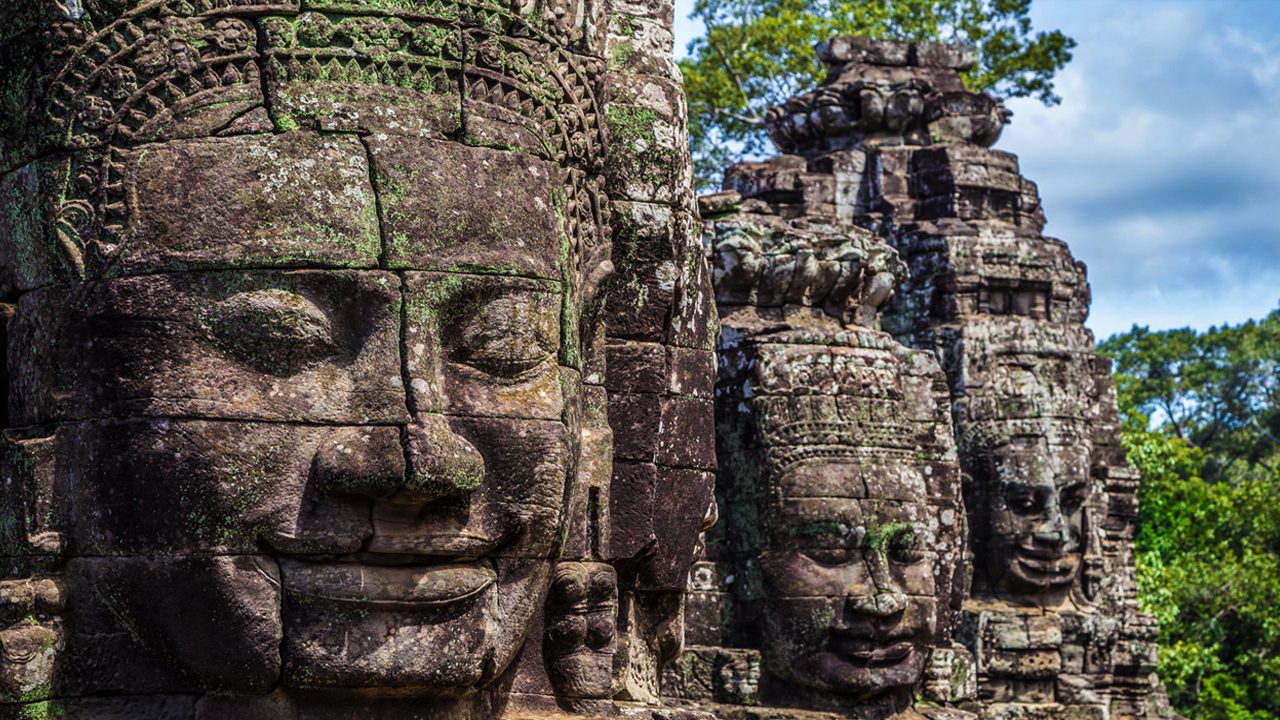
x=886, y=92
x=768, y=263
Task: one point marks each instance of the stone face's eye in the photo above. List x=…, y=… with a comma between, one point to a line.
x=830, y=543
x=831, y=557
x=906, y=545
x=1073, y=496
x=275, y=331
x=509, y=336
x=1021, y=499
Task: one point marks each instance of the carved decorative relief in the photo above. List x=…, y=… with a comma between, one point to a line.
x=892, y=142
x=306, y=300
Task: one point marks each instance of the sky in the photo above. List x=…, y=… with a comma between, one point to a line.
x=1161, y=166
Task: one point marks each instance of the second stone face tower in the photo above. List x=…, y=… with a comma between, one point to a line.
x=893, y=143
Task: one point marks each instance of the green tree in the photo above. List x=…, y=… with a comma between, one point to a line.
x=1199, y=424
x=1219, y=390
x=757, y=53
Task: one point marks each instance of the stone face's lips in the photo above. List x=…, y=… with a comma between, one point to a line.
x=443, y=545
x=871, y=652
x=1047, y=570
x=380, y=587
x=1043, y=553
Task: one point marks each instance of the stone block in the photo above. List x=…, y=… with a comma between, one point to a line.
x=693, y=322
x=706, y=615
x=637, y=367
x=291, y=200
x=330, y=73
x=131, y=75
x=640, y=44
x=852, y=49
x=687, y=433
x=644, y=120
x=632, y=496
x=681, y=500
x=32, y=251
x=453, y=208
x=553, y=111
x=636, y=422
x=951, y=676
x=692, y=372
x=642, y=291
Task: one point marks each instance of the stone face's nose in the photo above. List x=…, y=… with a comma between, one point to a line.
x=364, y=461
x=441, y=463
x=881, y=604
x=1050, y=536
x=1052, y=532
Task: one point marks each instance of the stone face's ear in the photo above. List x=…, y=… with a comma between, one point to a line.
x=598, y=269
x=581, y=636
x=32, y=548
x=31, y=636
x=588, y=509
x=33, y=512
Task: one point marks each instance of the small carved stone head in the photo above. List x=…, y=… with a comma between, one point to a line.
x=1027, y=498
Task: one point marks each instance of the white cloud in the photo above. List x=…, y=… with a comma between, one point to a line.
x=1160, y=168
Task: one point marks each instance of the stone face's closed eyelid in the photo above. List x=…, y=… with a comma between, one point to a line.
x=274, y=330
x=1074, y=494
x=507, y=335
x=1022, y=498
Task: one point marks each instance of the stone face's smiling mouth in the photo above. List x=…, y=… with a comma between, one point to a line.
x=1044, y=565
x=400, y=587
x=886, y=646
x=871, y=652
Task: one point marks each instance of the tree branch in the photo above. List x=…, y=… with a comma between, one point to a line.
x=733, y=77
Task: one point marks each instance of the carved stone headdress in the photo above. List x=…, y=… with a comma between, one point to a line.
x=111, y=75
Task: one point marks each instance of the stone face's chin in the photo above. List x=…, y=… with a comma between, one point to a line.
x=870, y=653
x=852, y=655
x=353, y=626
x=333, y=639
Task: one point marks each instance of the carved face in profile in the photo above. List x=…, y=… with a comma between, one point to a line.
x=860, y=528
x=1029, y=520
x=357, y=476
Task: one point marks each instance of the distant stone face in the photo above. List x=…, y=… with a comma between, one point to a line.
x=1027, y=503
x=308, y=404
x=849, y=562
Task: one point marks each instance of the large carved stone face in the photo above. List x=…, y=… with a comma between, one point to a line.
x=357, y=476
x=849, y=584
x=1029, y=531
x=307, y=345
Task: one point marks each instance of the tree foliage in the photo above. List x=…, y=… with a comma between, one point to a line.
x=1218, y=390
x=757, y=53
x=1200, y=424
